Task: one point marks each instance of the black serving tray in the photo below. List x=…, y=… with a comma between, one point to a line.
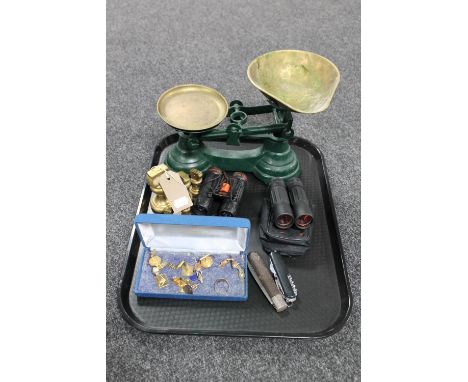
x=324, y=301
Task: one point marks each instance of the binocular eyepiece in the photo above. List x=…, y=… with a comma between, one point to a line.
x=290, y=209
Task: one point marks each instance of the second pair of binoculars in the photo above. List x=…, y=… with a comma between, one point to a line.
x=290, y=204
x=229, y=189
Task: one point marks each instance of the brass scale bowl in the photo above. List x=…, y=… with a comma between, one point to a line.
x=299, y=81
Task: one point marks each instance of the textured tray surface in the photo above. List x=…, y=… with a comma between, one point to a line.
x=324, y=300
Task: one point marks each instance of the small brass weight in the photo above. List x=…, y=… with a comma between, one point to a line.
x=159, y=203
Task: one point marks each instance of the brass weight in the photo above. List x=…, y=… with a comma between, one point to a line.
x=153, y=174
x=196, y=177
x=158, y=202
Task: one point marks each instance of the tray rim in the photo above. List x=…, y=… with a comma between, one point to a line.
x=340, y=263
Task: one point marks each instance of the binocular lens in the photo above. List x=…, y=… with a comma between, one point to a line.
x=283, y=221
x=303, y=221
x=300, y=203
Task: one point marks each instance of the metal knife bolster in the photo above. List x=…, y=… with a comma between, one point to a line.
x=282, y=277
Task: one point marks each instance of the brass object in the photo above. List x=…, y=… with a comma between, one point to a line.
x=157, y=269
x=234, y=265
x=206, y=261
x=192, y=107
x=240, y=271
x=183, y=284
x=301, y=81
x=185, y=178
x=158, y=202
x=179, y=281
x=225, y=262
x=154, y=261
x=187, y=269
x=161, y=281
x=180, y=264
x=196, y=178
x=153, y=174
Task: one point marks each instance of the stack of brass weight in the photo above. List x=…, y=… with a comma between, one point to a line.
x=158, y=202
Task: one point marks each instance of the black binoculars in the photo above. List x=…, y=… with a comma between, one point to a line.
x=228, y=189
x=283, y=204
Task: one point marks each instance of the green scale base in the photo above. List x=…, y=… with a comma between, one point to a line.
x=273, y=158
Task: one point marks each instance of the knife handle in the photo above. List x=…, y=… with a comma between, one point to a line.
x=266, y=282
x=282, y=277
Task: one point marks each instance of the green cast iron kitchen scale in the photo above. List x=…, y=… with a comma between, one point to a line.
x=292, y=81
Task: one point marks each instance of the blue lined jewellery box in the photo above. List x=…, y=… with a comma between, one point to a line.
x=192, y=257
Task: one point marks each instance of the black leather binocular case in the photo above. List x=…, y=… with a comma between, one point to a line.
x=286, y=218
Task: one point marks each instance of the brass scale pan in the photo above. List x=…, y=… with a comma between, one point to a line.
x=300, y=81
